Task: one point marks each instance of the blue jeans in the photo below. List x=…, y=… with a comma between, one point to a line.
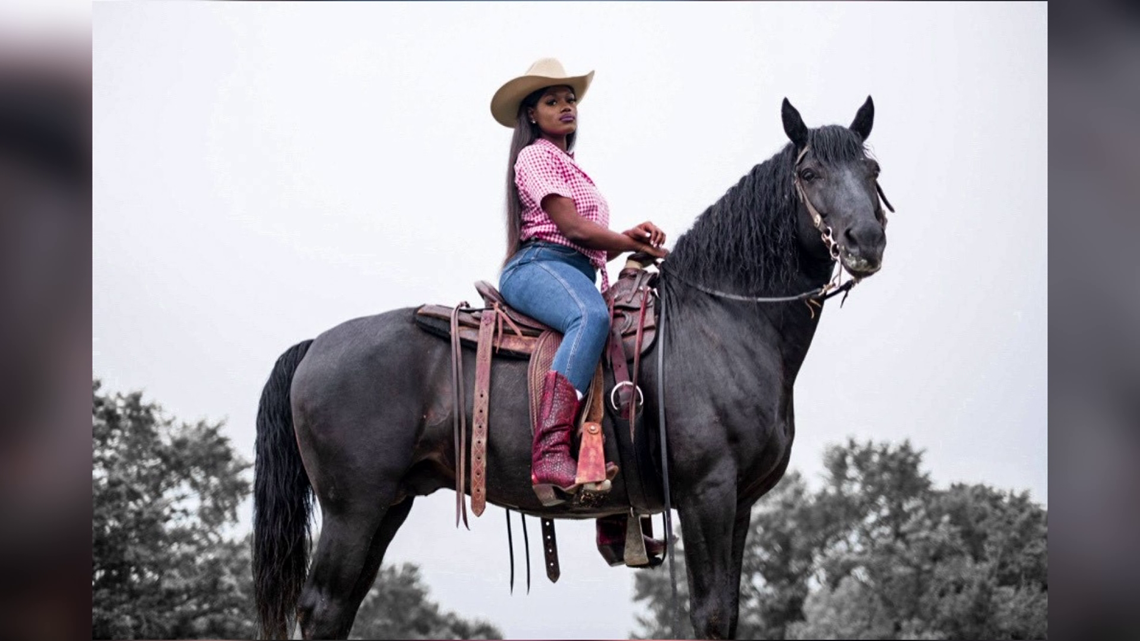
x=554, y=284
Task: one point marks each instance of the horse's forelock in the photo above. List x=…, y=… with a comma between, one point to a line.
x=833, y=144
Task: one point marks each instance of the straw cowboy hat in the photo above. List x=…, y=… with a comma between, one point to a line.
x=546, y=72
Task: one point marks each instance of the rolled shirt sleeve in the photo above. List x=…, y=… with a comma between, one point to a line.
x=538, y=174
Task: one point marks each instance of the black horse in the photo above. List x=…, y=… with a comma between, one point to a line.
x=361, y=415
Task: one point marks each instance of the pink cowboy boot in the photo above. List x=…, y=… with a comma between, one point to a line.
x=552, y=466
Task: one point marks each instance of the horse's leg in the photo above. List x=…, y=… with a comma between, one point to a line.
x=740, y=527
x=327, y=608
x=354, y=538
x=739, y=535
x=708, y=519
x=395, y=517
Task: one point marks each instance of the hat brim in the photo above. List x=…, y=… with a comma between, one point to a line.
x=505, y=103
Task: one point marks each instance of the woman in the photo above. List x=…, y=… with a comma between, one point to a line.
x=558, y=238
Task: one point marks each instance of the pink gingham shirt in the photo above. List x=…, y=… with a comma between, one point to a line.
x=543, y=169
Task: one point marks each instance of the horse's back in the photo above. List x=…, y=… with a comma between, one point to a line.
x=378, y=352
x=364, y=391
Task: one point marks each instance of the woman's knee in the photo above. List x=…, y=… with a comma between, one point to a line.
x=598, y=314
x=596, y=321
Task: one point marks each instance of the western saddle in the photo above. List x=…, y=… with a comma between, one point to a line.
x=624, y=298
x=499, y=329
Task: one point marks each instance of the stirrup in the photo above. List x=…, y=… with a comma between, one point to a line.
x=550, y=494
x=605, y=485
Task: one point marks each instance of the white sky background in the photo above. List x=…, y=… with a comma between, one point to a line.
x=266, y=171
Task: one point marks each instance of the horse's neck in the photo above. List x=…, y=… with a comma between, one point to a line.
x=797, y=324
x=786, y=328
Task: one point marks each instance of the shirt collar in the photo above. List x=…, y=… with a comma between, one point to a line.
x=554, y=147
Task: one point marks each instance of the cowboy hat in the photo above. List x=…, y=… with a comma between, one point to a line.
x=545, y=72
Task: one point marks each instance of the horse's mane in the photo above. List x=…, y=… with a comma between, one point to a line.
x=745, y=242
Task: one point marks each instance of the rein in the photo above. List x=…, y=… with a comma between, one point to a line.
x=665, y=469
x=821, y=293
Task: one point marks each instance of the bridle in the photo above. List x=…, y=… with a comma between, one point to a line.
x=834, y=286
x=825, y=233
x=816, y=217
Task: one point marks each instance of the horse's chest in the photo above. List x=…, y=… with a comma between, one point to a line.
x=758, y=434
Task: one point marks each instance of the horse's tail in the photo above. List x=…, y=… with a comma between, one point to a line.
x=282, y=504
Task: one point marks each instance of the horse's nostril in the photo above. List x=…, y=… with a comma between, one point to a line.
x=864, y=238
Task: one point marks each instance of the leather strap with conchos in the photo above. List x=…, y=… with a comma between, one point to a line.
x=481, y=409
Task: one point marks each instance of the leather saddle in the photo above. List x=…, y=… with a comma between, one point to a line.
x=518, y=334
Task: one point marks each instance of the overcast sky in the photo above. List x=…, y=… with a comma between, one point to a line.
x=266, y=171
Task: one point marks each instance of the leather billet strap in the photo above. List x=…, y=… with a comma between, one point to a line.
x=480, y=414
x=550, y=550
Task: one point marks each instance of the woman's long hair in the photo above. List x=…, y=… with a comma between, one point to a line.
x=525, y=134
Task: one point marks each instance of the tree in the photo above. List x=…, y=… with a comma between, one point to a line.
x=905, y=560
x=879, y=553
x=163, y=495
x=397, y=607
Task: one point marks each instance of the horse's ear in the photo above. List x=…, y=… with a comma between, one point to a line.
x=794, y=124
x=864, y=119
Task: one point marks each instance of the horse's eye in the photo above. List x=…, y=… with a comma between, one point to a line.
x=807, y=175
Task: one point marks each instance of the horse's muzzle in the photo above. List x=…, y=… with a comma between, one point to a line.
x=858, y=265
x=862, y=250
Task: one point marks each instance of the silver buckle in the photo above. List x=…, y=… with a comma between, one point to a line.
x=613, y=399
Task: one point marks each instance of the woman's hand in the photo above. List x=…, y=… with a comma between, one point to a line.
x=647, y=233
x=649, y=238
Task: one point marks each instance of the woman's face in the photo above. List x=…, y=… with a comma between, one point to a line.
x=556, y=112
